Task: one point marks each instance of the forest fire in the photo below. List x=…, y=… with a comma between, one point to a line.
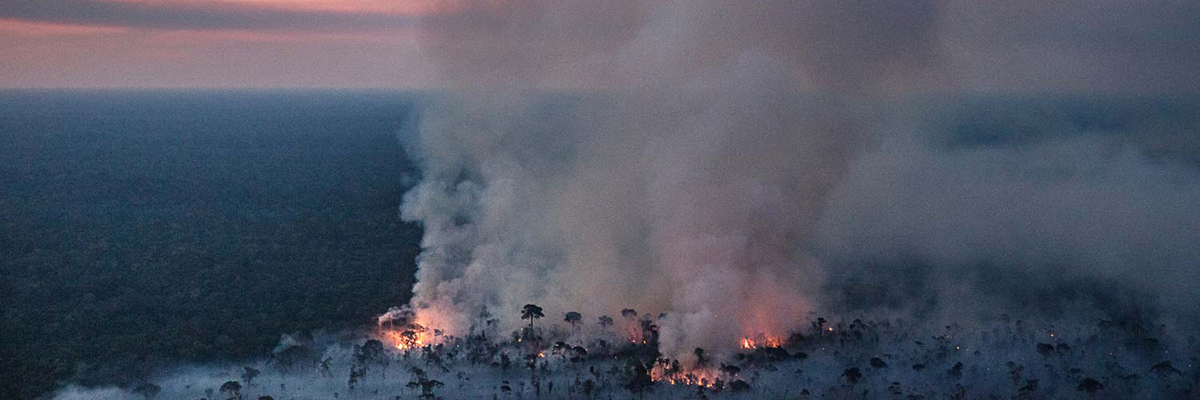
x=761, y=342
x=756, y=363
x=399, y=326
x=408, y=339
x=691, y=380
x=696, y=377
x=405, y=345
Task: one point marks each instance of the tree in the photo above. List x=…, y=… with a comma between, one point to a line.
x=370, y=352
x=424, y=383
x=231, y=390
x=629, y=314
x=485, y=321
x=531, y=312
x=605, y=321
x=649, y=331
x=356, y=373
x=249, y=375
x=639, y=379
x=852, y=375
x=573, y=318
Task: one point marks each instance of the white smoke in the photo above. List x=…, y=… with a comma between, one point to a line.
x=689, y=188
x=693, y=176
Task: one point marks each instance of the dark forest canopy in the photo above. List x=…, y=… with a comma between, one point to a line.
x=145, y=227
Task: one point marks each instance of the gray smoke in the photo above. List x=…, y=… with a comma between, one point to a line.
x=1068, y=210
x=711, y=171
x=688, y=188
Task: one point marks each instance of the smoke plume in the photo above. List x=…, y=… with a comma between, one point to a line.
x=701, y=159
x=688, y=188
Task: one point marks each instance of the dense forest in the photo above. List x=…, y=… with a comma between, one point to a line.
x=141, y=228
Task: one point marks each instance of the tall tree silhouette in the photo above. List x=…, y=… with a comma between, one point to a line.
x=531, y=312
x=573, y=318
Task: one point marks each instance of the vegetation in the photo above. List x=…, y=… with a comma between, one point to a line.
x=531, y=312
x=573, y=318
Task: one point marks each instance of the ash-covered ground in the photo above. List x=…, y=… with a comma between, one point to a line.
x=603, y=358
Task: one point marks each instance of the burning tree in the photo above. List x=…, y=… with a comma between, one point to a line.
x=403, y=320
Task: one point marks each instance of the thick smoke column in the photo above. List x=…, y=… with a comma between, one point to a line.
x=689, y=187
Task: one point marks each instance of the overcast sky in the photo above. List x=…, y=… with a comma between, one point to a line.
x=985, y=45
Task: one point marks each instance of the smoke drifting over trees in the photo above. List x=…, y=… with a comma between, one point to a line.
x=696, y=186
x=742, y=160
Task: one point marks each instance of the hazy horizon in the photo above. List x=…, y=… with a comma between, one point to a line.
x=735, y=199
x=1023, y=46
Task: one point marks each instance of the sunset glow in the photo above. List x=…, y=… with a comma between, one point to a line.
x=227, y=43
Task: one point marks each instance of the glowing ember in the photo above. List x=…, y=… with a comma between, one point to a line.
x=760, y=341
x=696, y=377
x=406, y=346
x=408, y=339
x=399, y=324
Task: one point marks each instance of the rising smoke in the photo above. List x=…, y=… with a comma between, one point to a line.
x=714, y=174
x=740, y=165
x=688, y=188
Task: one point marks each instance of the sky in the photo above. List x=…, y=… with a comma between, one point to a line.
x=983, y=45
x=211, y=44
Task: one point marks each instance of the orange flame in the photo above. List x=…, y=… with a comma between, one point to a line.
x=765, y=342
x=408, y=339
x=696, y=377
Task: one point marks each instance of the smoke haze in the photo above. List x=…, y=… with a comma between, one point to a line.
x=688, y=188
x=741, y=159
x=1004, y=191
